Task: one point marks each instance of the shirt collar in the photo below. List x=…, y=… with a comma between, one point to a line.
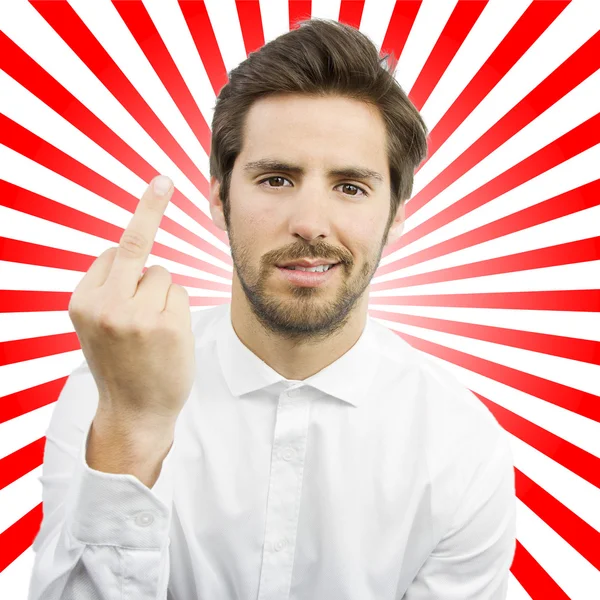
x=348, y=378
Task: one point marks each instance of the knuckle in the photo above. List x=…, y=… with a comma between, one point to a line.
x=133, y=243
x=159, y=270
x=78, y=310
x=109, y=320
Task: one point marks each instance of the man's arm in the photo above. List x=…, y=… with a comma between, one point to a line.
x=103, y=534
x=472, y=561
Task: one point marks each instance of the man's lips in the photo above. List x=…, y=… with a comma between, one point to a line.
x=307, y=264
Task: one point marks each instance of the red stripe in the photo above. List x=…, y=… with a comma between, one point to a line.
x=139, y=23
x=576, y=401
x=198, y=22
x=533, y=22
x=351, y=12
x=15, y=351
x=23, y=461
x=19, y=536
x=568, y=203
x=587, y=351
x=576, y=69
x=572, y=143
x=54, y=212
x=26, y=143
x=67, y=23
x=563, y=300
x=535, y=581
x=35, y=254
x=401, y=22
x=570, y=456
x=44, y=256
x=458, y=26
x=572, y=528
x=31, y=76
x=251, y=24
x=40, y=301
x=24, y=401
x=561, y=254
x=298, y=10
x=33, y=301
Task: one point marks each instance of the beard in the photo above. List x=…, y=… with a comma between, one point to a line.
x=302, y=313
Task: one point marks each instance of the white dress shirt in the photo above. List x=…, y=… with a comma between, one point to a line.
x=380, y=477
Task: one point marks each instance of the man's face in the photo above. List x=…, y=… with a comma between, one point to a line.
x=279, y=215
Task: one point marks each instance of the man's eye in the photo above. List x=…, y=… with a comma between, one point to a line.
x=351, y=185
x=275, y=177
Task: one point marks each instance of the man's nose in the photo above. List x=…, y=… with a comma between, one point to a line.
x=310, y=211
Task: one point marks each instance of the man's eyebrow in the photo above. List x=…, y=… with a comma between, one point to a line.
x=350, y=172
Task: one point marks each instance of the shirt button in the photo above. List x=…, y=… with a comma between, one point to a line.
x=280, y=544
x=144, y=519
x=294, y=392
x=288, y=454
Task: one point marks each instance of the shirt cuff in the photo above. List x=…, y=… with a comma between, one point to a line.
x=118, y=509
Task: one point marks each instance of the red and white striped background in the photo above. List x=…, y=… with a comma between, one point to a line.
x=497, y=273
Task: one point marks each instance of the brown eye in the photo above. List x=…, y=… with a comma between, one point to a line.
x=277, y=178
x=348, y=187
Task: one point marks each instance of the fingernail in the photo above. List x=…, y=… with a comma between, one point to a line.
x=162, y=185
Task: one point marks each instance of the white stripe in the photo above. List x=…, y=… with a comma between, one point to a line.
x=29, y=175
x=579, y=431
x=106, y=25
x=24, y=429
x=495, y=22
x=376, y=19
x=18, y=498
x=275, y=18
x=564, y=177
x=25, y=27
x=15, y=377
x=575, y=25
x=26, y=109
x=429, y=24
x=572, y=110
x=579, y=325
x=515, y=590
x=575, y=276
x=170, y=24
x=26, y=374
x=575, y=575
x=28, y=325
x=326, y=9
x=577, y=226
x=14, y=580
x=225, y=22
x=577, y=494
x=578, y=375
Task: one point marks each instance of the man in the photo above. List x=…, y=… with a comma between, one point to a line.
x=286, y=446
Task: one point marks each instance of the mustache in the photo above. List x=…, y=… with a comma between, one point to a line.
x=309, y=252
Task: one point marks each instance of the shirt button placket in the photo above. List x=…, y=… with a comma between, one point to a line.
x=287, y=458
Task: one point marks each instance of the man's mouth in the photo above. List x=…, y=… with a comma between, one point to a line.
x=319, y=269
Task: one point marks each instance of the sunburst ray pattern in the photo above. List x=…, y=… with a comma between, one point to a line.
x=496, y=275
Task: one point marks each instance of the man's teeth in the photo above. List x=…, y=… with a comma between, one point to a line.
x=318, y=269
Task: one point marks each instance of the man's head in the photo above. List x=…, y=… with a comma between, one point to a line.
x=316, y=100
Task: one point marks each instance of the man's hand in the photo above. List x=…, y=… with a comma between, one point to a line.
x=136, y=333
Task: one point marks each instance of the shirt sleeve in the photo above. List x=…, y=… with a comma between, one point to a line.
x=472, y=560
x=103, y=535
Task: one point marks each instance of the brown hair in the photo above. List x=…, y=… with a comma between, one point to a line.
x=321, y=57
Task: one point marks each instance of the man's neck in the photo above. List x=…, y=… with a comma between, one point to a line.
x=289, y=358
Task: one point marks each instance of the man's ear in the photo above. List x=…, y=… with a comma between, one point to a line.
x=215, y=204
x=397, y=225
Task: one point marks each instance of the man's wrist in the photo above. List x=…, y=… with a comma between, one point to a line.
x=117, y=445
